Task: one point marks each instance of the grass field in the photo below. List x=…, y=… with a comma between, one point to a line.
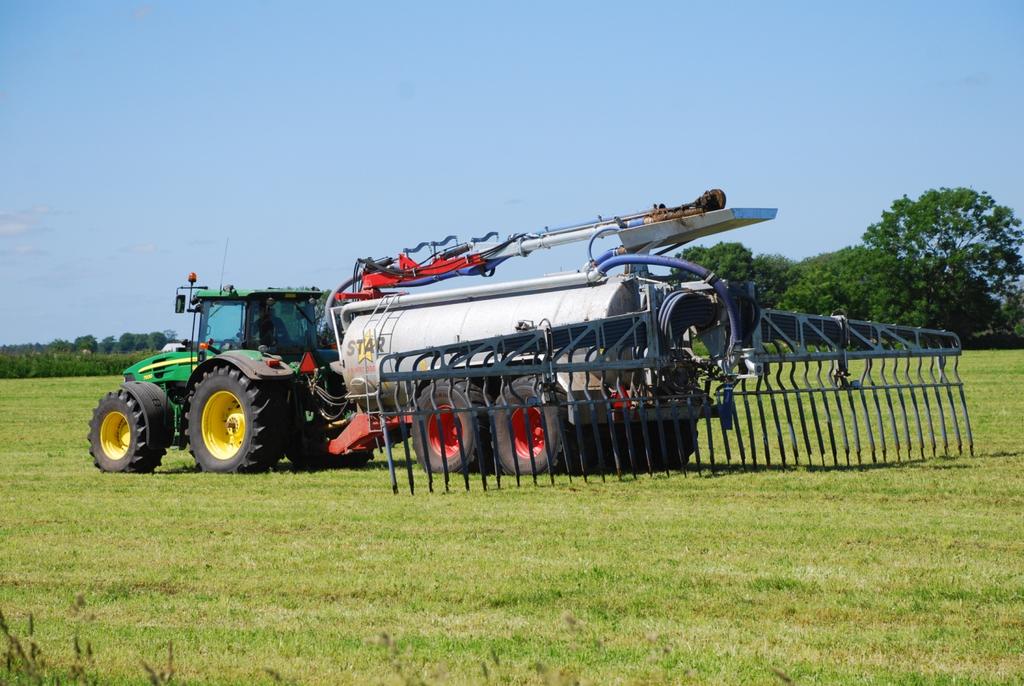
x=901, y=574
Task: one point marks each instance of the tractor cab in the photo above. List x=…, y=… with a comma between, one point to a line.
x=274, y=320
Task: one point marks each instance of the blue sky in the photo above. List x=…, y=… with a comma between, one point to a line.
x=136, y=137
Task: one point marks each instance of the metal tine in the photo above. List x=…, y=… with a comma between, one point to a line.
x=529, y=437
x=838, y=384
x=595, y=426
x=775, y=417
x=927, y=406
x=903, y=405
x=478, y=446
x=750, y=422
x=609, y=413
x=596, y=431
x=390, y=459
x=693, y=429
x=917, y=412
x=444, y=448
x=938, y=404
x=784, y=392
x=564, y=442
x=867, y=417
x=705, y=404
x=800, y=409
x=829, y=422
x=457, y=423
x=680, y=444
x=944, y=380
x=662, y=441
x=853, y=417
x=739, y=433
x=892, y=412
x=627, y=415
x=544, y=431
x=421, y=422
x=571, y=401
x=511, y=431
x=725, y=434
x=645, y=429
x=814, y=414
x=492, y=425
x=867, y=379
x=405, y=437
x=963, y=403
x=764, y=426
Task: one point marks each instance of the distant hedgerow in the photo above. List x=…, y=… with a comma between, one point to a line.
x=41, y=365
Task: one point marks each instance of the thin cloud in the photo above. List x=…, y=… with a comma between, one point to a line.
x=974, y=80
x=23, y=250
x=20, y=223
x=142, y=11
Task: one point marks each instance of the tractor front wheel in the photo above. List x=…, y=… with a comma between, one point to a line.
x=117, y=436
x=236, y=424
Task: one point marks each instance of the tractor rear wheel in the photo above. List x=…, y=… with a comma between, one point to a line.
x=118, y=437
x=236, y=424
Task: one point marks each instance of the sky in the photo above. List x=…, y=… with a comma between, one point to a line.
x=136, y=139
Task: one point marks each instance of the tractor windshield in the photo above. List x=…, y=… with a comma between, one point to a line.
x=222, y=322
x=286, y=325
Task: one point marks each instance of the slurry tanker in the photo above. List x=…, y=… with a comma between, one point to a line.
x=637, y=362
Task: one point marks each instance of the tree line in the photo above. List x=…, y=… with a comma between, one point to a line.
x=949, y=259
x=125, y=343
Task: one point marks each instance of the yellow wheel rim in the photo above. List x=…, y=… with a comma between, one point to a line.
x=115, y=435
x=223, y=425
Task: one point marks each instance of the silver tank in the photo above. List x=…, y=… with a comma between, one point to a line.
x=376, y=329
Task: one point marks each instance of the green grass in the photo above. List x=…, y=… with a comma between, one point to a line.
x=911, y=573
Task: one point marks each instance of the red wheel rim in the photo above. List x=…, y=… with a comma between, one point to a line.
x=522, y=439
x=447, y=433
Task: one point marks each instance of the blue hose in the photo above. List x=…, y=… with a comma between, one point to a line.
x=735, y=334
x=590, y=244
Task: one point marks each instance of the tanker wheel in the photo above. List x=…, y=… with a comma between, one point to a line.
x=117, y=436
x=524, y=428
x=445, y=410
x=236, y=424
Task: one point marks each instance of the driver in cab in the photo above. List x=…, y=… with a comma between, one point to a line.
x=270, y=328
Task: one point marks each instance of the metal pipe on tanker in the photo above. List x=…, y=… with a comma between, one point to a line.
x=544, y=283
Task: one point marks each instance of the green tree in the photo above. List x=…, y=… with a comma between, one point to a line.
x=842, y=281
x=955, y=257
x=59, y=345
x=108, y=344
x=732, y=261
x=773, y=274
x=1011, y=315
x=126, y=342
x=155, y=340
x=86, y=343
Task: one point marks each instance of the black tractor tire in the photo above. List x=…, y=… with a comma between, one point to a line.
x=245, y=422
x=544, y=437
x=118, y=437
x=428, y=439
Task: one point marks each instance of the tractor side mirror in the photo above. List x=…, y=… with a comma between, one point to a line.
x=179, y=303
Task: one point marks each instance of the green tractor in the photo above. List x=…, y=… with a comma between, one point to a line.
x=250, y=386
